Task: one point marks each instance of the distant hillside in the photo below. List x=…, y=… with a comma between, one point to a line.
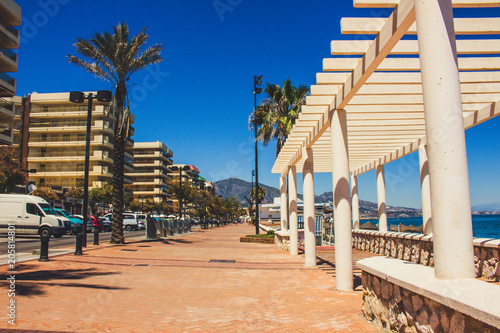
x=492, y=206
x=240, y=189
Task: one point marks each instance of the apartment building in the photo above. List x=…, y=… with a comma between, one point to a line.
x=191, y=175
x=210, y=187
x=152, y=161
x=57, y=140
x=10, y=18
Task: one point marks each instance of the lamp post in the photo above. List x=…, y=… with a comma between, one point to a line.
x=28, y=171
x=79, y=97
x=185, y=168
x=251, y=195
x=142, y=204
x=257, y=81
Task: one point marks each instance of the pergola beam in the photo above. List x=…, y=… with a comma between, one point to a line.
x=455, y=3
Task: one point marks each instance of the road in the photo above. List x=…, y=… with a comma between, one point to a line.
x=30, y=243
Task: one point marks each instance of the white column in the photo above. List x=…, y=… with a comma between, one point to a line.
x=425, y=189
x=283, y=203
x=309, y=211
x=355, y=201
x=448, y=171
x=292, y=202
x=342, y=202
x=382, y=206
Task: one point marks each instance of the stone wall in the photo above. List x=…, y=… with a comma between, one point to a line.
x=396, y=309
x=418, y=248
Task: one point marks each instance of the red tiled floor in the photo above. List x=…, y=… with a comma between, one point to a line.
x=169, y=286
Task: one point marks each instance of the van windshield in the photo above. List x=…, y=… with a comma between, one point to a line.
x=68, y=214
x=47, y=209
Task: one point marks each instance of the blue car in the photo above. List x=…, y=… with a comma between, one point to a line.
x=76, y=223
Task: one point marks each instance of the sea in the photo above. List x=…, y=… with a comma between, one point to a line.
x=483, y=226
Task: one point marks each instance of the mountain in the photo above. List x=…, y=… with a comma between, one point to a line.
x=240, y=189
x=492, y=206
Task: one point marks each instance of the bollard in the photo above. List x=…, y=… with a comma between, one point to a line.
x=96, y=236
x=79, y=243
x=44, y=247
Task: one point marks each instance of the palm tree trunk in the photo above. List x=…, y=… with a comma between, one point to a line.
x=118, y=154
x=118, y=161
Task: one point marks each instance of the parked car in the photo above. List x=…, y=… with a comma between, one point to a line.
x=30, y=214
x=107, y=224
x=93, y=223
x=129, y=220
x=76, y=223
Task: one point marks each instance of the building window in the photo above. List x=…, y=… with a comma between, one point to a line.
x=42, y=167
x=81, y=137
x=66, y=137
x=43, y=137
x=80, y=167
x=43, y=151
x=45, y=108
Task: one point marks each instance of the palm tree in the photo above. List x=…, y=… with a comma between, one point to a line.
x=114, y=58
x=277, y=112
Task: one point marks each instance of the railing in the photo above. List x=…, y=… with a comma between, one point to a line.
x=6, y=131
x=8, y=53
x=6, y=104
x=7, y=78
x=10, y=28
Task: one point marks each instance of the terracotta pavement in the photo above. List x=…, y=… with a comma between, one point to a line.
x=170, y=286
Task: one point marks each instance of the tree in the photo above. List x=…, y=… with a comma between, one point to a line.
x=46, y=193
x=10, y=171
x=100, y=195
x=277, y=112
x=262, y=193
x=114, y=58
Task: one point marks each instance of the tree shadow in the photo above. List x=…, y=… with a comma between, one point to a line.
x=31, y=283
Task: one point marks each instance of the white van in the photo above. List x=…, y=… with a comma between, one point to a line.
x=130, y=221
x=30, y=215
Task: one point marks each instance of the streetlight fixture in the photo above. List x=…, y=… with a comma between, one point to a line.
x=79, y=97
x=184, y=168
x=142, y=204
x=28, y=171
x=257, y=81
x=251, y=195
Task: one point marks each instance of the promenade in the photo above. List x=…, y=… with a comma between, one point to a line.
x=170, y=285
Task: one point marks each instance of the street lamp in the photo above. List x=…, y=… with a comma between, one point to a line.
x=184, y=168
x=251, y=195
x=79, y=97
x=142, y=204
x=28, y=171
x=257, y=81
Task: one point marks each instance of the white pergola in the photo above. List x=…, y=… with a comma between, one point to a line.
x=394, y=95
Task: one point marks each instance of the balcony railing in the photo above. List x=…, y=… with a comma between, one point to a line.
x=9, y=54
x=10, y=28
x=6, y=131
x=6, y=104
x=7, y=78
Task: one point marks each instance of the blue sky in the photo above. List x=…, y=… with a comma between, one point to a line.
x=198, y=100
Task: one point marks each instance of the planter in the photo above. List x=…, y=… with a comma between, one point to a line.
x=244, y=239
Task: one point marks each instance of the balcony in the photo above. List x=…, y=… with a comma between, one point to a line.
x=68, y=111
x=11, y=12
x=9, y=35
x=8, y=61
x=51, y=126
x=7, y=85
x=6, y=135
x=98, y=140
x=6, y=109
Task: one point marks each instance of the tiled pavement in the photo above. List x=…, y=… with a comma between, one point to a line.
x=170, y=286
